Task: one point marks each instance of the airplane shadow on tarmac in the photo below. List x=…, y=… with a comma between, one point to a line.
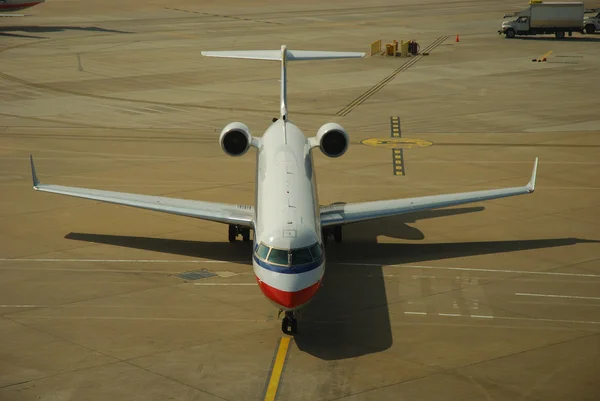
x=36, y=29
x=349, y=316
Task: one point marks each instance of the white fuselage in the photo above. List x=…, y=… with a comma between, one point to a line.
x=287, y=216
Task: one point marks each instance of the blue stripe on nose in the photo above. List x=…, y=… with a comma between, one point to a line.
x=289, y=269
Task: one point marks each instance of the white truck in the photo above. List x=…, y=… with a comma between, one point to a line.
x=591, y=21
x=545, y=18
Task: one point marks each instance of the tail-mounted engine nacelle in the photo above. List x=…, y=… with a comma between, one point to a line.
x=333, y=140
x=235, y=139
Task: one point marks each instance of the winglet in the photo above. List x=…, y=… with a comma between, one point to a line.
x=531, y=184
x=34, y=177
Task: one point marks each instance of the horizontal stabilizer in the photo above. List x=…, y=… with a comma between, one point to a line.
x=321, y=55
x=250, y=54
x=283, y=55
x=276, y=55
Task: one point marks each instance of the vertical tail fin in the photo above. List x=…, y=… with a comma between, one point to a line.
x=284, y=55
x=283, y=95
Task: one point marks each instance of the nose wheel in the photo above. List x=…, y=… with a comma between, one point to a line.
x=289, y=324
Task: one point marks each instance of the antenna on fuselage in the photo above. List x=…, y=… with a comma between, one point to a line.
x=284, y=55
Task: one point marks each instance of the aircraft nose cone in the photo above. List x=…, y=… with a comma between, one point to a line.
x=287, y=299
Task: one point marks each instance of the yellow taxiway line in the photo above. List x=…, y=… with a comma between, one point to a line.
x=277, y=370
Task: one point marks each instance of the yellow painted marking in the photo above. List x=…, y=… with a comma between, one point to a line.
x=277, y=371
x=396, y=143
x=545, y=55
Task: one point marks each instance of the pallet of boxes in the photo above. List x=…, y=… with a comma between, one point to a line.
x=402, y=49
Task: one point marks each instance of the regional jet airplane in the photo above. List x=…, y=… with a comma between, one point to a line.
x=289, y=226
x=16, y=5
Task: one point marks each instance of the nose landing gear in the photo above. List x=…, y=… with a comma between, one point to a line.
x=289, y=324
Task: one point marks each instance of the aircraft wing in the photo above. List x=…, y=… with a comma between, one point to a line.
x=220, y=212
x=337, y=214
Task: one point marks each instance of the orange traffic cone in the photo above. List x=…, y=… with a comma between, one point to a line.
x=457, y=39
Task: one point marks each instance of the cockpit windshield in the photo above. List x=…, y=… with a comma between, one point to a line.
x=278, y=256
x=316, y=251
x=262, y=251
x=289, y=257
x=301, y=256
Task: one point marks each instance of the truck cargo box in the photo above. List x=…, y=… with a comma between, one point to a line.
x=556, y=15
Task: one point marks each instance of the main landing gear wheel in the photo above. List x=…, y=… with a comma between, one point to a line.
x=234, y=231
x=337, y=234
x=289, y=324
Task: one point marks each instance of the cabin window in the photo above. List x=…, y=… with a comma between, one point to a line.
x=262, y=251
x=278, y=256
x=301, y=256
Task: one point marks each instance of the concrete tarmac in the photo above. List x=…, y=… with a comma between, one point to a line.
x=491, y=301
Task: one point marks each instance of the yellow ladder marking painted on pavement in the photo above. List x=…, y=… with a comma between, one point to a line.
x=397, y=154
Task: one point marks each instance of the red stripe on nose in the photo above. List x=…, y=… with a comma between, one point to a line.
x=17, y=6
x=289, y=299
